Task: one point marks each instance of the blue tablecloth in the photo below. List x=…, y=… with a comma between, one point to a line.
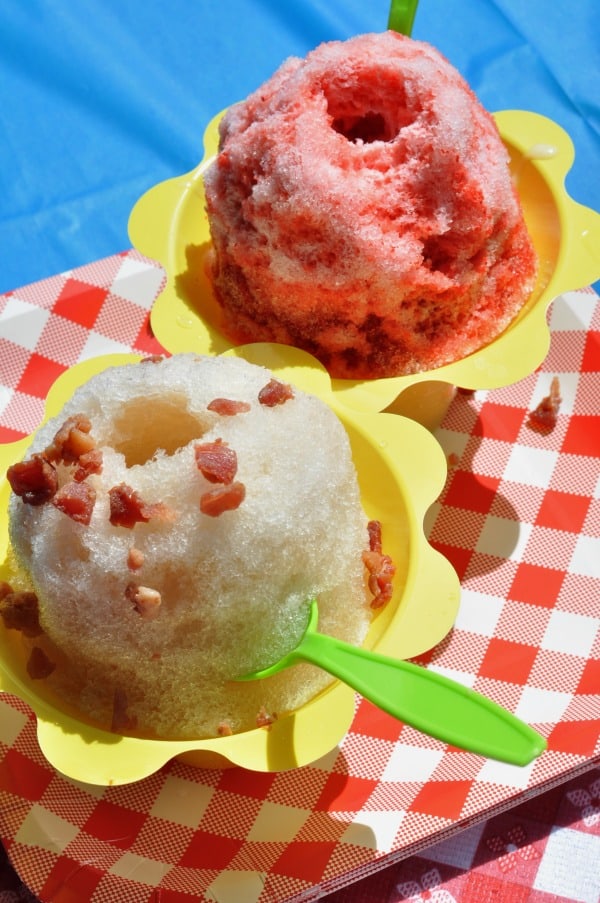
x=99, y=100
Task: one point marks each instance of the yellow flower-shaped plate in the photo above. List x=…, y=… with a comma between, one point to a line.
x=169, y=224
x=401, y=470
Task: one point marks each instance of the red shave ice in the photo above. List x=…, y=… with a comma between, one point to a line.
x=361, y=208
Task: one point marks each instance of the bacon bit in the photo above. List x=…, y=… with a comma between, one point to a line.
x=39, y=665
x=152, y=359
x=146, y=601
x=263, y=719
x=76, y=500
x=216, y=461
x=89, y=463
x=543, y=419
x=374, y=530
x=228, y=407
x=275, y=393
x=381, y=570
x=71, y=441
x=121, y=720
x=224, y=729
x=127, y=508
x=19, y=611
x=225, y=498
x=34, y=480
x=135, y=559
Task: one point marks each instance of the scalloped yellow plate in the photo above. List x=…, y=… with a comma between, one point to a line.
x=401, y=470
x=169, y=224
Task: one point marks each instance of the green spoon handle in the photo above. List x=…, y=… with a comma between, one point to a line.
x=428, y=701
x=402, y=15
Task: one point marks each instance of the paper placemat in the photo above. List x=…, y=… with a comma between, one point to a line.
x=520, y=520
x=545, y=850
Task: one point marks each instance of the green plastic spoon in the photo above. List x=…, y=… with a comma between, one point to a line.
x=428, y=701
x=402, y=15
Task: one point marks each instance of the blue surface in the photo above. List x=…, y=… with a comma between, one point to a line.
x=99, y=100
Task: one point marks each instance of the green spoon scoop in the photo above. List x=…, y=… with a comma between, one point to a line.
x=428, y=701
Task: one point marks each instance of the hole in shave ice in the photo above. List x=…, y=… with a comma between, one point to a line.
x=367, y=128
x=360, y=117
x=139, y=437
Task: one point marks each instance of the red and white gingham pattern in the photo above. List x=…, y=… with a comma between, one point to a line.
x=545, y=850
x=519, y=519
x=49, y=326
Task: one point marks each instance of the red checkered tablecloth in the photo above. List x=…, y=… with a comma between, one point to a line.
x=546, y=850
x=102, y=308
x=519, y=518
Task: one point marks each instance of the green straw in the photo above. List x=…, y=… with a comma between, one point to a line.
x=402, y=16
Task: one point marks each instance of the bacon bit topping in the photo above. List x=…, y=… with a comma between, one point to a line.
x=224, y=729
x=225, y=498
x=39, y=665
x=275, y=393
x=19, y=611
x=146, y=601
x=228, y=407
x=543, y=419
x=263, y=719
x=135, y=559
x=152, y=359
x=89, y=463
x=216, y=461
x=381, y=568
x=121, y=720
x=76, y=500
x=71, y=441
x=34, y=480
x=374, y=531
x=127, y=508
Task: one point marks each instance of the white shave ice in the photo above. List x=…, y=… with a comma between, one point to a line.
x=228, y=592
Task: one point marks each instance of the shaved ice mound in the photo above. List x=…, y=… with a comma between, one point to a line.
x=216, y=502
x=361, y=208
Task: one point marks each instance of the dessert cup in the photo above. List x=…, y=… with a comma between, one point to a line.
x=169, y=224
x=396, y=489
